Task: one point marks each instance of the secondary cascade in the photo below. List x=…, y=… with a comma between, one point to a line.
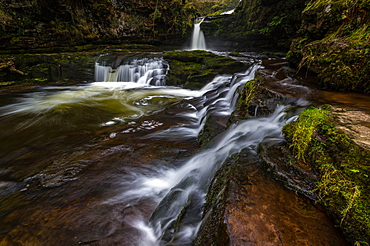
x=150, y=71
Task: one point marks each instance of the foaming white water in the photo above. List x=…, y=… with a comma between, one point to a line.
x=148, y=235
x=143, y=71
x=219, y=98
x=177, y=188
x=239, y=80
x=228, y=12
x=198, y=41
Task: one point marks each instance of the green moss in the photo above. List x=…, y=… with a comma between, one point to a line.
x=246, y=97
x=341, y=64
x=344, y=168
x=193, y=69
x=335, y=44
x=41, y=68
x=300, y=132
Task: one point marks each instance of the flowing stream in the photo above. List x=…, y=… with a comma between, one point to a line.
x=117, y=163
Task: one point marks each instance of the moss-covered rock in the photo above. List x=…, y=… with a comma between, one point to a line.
x=256, y=100
x=255, y=24
x=36, y=23
x=214, y=229
x=43, y=68
x=334, y=43
x=193, y=69
x=245, y=206
x=344, y=169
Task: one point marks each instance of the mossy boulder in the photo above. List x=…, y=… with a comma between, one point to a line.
x=214, y=230
x=343, y=167
x=256, y=100
x=194, y=69
x=334, y=43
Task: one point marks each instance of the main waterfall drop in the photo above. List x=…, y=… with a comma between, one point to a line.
x=198, y=41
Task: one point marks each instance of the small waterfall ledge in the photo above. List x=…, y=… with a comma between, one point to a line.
x=149, y=71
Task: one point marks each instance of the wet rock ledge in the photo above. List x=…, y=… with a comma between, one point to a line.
x=246, y=205
x=310, y=189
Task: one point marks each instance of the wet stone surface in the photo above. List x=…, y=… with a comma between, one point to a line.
x=257, y=210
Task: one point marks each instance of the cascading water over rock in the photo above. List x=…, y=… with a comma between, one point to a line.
x=150, y=71
x=183, y=189
x=198, y=41
x=117, y=161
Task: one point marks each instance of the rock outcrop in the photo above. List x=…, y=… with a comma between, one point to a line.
x=334, y=43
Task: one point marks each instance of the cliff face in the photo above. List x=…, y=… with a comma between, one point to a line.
x=41, y=23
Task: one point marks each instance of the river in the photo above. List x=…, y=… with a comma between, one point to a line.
x=117, y=163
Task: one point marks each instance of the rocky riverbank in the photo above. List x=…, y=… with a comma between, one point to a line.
x=324, y=158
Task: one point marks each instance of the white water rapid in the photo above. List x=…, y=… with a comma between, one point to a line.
x=219, y=97
x=183, y=188
x=198, y=41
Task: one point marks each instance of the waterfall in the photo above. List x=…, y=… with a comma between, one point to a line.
x=198, y=41
x=185, y=188
x=150, y=71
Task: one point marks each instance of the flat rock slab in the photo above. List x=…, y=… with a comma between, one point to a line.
x=265, y=213
x=356, y=124
x=254, y=209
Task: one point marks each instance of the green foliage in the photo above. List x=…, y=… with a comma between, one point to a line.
x=343, y=165
x=301, y=131
x=67, y=22
x=173, y=17
x=5, y=18
x=193, y=69
x=276, y=21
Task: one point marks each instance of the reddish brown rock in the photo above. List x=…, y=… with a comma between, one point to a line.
x=251, y=208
